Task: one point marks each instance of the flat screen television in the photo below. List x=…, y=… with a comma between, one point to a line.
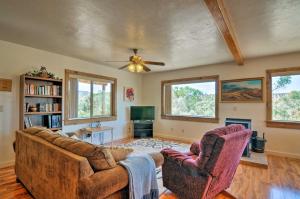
x=142, y=112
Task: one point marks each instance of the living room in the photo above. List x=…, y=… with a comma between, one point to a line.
x=209, y=45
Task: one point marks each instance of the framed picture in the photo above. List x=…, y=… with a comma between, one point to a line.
x=129, y=94
x=243, y=90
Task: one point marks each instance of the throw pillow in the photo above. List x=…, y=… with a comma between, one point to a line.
x=120, y=153
x=60, y=132
x=75, y=137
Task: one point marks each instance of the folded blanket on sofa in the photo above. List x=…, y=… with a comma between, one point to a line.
x=142, y=176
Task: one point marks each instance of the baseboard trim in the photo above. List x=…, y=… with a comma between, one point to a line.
x=283, y=154
x=7, y=164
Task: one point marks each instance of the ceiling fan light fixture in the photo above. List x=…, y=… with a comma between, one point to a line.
x=135, y=68
x=137, y=64
x=131, y=68
x=139, y=68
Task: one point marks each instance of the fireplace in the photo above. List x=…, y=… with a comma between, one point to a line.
x=247, y=124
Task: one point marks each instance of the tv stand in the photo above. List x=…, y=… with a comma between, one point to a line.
x=143, y=129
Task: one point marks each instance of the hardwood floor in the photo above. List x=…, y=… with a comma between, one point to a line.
x=9, y=188
x=280, y=181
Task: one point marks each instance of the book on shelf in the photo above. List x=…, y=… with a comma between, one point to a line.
x=27, y=122
x=26, y=107
x=48, y=107
x=42, y=102
x=50, y=90
x=53, y=121
x=47, y=121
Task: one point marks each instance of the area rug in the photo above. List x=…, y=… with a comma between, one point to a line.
x=151, y=145
x=156, y=145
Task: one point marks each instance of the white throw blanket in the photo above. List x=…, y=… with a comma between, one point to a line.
x=142, y=176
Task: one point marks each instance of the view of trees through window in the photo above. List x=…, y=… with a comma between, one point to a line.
x=100, y=96
x=193, y=99
x=102, y=99
x=84, y=95
x=286, y=98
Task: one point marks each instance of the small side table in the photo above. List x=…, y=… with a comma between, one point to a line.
x=96, y=130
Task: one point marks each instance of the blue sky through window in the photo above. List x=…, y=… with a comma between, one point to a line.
x=293, y=86
x=204, y=87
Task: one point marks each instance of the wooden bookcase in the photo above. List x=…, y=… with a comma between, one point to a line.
x=46, y=95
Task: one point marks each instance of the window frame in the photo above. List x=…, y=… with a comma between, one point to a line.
x=112, y=117
x=191, y=118
x=269, y=122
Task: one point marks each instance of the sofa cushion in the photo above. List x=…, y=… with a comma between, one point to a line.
x=100, y=158
x=34, y=130
x=120, y=153
x=48, y=135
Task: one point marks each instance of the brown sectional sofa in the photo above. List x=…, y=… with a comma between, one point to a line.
x=49, y=171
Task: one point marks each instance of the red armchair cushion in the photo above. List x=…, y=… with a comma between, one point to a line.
x=174, y=156
x=195, y=148
x=209, y=142
x=186, y=161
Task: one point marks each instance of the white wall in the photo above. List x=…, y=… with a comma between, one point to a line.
x=17, y=59
x=280, y=141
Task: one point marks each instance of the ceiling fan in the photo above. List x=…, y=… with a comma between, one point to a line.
x=137, y=64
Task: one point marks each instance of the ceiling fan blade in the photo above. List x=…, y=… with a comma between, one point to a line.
x=115, y=61
x=145, y=68
x=154, y=63
x=124, y=67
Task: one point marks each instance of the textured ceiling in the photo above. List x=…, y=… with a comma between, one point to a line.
x=180, y=33
x=266, y=27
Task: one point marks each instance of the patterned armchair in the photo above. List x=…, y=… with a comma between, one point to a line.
x=209, y=167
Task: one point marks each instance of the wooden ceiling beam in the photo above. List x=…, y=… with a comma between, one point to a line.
x=221, y=17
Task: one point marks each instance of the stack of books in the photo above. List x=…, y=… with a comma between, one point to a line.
x=51, y=90
x=43, y=107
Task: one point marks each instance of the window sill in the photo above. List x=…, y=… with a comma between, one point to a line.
x=190, y=118
x=281, y=124
x=89, y=120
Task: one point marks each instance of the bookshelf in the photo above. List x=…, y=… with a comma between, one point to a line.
x=41, y=102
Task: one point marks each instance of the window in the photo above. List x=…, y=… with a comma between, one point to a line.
x=192, y=99
x=283, y=100
x=89, y=98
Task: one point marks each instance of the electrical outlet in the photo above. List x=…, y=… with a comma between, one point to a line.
x=1, y=108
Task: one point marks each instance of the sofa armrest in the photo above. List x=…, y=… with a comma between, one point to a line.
x=103, y=183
